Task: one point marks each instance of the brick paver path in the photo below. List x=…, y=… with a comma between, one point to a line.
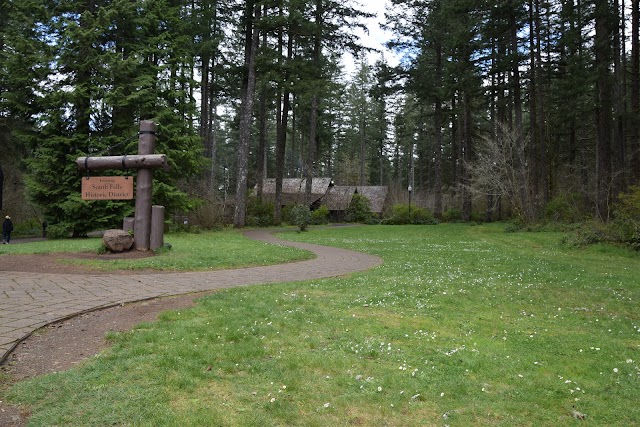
x=29, y=301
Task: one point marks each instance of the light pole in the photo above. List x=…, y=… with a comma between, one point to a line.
x=411, y=174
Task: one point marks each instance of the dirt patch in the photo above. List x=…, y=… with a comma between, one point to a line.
x=62, y=345
x=62, y=263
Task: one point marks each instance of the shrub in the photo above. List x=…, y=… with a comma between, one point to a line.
x=628, y=205
x=627, y=217
x=30, y=228
x=588, y=233
x=259, y=213
x=566, y=208
x=184, y=226
x=320, y=216
x=287, y=215
x=452, y=215
x=58, y=231
x=624, y=229
x=167, y=247
x=301, y=216
x=514, y=226
x=359, y=209
x=374, y=220
x=405, y=214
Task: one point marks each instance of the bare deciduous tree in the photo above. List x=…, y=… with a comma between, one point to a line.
x=501, y=168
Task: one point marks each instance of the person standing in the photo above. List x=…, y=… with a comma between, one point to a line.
x=7, y=228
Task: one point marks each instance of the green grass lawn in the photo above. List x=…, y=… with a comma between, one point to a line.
x=461, y=326
x=204, y=251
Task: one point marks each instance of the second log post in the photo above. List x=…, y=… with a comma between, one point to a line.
x=144, y=188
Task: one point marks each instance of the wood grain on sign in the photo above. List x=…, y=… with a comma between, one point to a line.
x=107, y=188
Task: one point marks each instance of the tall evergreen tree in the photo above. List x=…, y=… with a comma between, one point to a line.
x=113, y=65
x=252, y=15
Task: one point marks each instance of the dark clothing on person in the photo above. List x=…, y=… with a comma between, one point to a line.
x=7, y=228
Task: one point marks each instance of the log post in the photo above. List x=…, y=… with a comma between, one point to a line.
x=127, y=224
x=144, y=188
x=150, y=161
x=157, y=227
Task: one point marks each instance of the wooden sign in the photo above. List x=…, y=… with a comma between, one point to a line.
x=107, y=188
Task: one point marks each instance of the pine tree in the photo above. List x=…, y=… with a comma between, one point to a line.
x=115, y=66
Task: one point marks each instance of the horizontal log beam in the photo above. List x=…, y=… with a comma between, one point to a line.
x=147, y=161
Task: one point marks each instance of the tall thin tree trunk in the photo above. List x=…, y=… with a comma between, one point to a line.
x=619, y=181
x=283, y=117
x=540, y=184
x=246, y=109
x=635, y=92
x=533, y=98
x=313, y=113
x=437, y=149
x=261, y=162
x=363, y=152
x=466, y=156
x=204, y=103
x=312, y=149
x=543, y=163
x=515, y=72
x=603, y=109
x=455, y=143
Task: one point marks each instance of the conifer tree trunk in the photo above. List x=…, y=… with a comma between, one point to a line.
x=283, y=118
x=619, y=181
x=635, y=91
x=542, y=164
x=246, y=110
x=515, y=71
x=83, y=73
x=437, y=123
x=465, y=145
x=313, y=112
x=261, y=163
x=602, y=46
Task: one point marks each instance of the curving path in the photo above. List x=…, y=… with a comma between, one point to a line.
x=29, y=301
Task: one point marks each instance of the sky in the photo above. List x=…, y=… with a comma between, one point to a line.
x=376, y=36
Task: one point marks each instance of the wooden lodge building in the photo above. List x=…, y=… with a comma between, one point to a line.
x=323, y=192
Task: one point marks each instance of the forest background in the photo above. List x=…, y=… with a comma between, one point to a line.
x=496, y=109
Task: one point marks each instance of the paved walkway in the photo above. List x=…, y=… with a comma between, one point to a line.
x=29, y=301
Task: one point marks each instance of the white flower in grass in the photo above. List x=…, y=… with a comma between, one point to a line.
x=615, y=370
x=326, y=405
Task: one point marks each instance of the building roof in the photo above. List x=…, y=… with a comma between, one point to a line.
x=336, y=198
x=339, y=197
x=293, y=189
x=377, y=195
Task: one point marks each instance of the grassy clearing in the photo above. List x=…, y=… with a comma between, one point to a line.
x=460, y=326
x=205, y=251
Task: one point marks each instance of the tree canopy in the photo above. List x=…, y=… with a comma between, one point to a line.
x=496, y=108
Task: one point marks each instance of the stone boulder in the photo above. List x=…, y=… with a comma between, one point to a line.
x=117, y=240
